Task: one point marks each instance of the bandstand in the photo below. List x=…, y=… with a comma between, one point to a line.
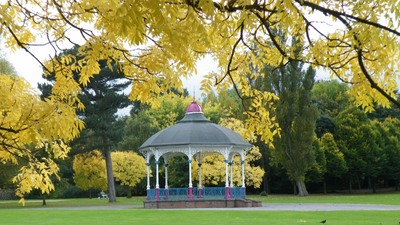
x=196, y=137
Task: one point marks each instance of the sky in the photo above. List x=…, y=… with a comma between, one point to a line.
x=27, y=67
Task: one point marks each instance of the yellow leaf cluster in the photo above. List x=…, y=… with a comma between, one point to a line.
x=213, y=170
x=90, y=170
x=35, y=131
x=128, y=167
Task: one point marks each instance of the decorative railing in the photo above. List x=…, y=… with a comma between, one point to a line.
x=197, y=193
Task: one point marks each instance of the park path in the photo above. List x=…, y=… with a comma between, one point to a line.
x=265, y=207
x=322, y=207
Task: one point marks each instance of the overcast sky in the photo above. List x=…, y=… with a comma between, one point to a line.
x=28, y=68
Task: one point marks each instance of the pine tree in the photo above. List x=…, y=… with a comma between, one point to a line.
x=102, y=98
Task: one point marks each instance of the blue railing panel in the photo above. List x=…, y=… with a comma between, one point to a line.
x=237, y=192
x=151, y=194
x=178, y=193
x=204, y=193
x=213, y=193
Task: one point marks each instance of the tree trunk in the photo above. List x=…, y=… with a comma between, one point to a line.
x=128, y=192
x=90, y=193
x=350, y=185
x=369, y=183
x=325, y=192
x=334, y=184
x=358, y=183
x=43, y=199
x=110, y=178
x=294, y=188
x=301, y=187
x=373, y=185
x=265, y=181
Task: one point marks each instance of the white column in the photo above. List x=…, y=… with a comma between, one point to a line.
x=231, y=181
x=226, y=173
x=157, y=181
x=148, y=176
x=200, y=186
x=190, y=173
x=166, y=175
x=200, y=173
x=243, y=183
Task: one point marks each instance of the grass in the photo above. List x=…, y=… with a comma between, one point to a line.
x=381, y=198
x=194, y=217
x=71, y=202
x=13, y=213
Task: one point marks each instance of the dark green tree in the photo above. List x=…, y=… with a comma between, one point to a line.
x=335, y=163
x=359, y=140
x=296, y=115
x=389, y=141
x=6, y=67
x=331, y=97
x=102, y=97
x=137, y=129
x=317, y=171
x=381, y=113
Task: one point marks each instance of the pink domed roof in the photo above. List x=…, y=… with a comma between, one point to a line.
x=194, y=108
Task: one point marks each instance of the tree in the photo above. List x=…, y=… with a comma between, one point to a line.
x=90, y=171
x=35, y=132
x=318, y=170
x=389, y=141
x=359, y=141
x=296, y=116
x=382, y=113
x=156, y=42
x=9, y=169
x=6, y=67
x=129, y=168
x=137, y=129
x=102, y=98
x=331, y=97
x=335, y=162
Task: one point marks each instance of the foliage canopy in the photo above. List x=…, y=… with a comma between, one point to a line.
x=156, y=42
x=35, y=131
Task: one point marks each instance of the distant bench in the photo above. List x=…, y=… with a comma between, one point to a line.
x=102, y=195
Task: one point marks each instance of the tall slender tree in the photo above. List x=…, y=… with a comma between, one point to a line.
x=295, y=114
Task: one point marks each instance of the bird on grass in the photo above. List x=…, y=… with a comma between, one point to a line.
x=323, y=221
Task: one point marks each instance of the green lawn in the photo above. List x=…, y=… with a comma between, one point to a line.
x=193, y=217
x=380, y=198
x=71, y=202
x=33, y=213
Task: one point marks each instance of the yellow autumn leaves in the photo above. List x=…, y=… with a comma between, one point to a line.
x=33, y=133
x=129, y=168
x=155, y=43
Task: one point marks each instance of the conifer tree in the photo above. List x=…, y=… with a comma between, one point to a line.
x=102, y=98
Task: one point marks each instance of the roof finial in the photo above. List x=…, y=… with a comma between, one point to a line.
x=194, y=93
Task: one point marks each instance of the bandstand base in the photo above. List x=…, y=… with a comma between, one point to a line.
x=209, y=203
